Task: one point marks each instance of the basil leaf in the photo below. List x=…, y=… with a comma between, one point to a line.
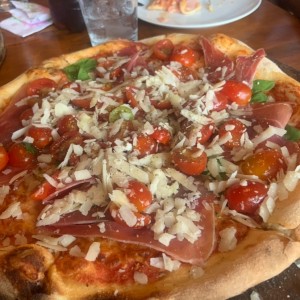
x=29, y=148
x=262, y=86
x=259, y=98
x=81, y=70
x=292, y=133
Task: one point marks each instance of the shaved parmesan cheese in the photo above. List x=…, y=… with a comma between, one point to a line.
x=128, y=216
x=12, y=211
x=228, y=239
x=82, y=174
x=266, y=134
x=186, y=181
x=140, y=278
x=93, y=251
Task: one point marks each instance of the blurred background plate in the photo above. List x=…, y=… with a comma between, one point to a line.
x=223, y=12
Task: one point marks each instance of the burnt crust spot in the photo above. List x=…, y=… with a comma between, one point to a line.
x=25, y=268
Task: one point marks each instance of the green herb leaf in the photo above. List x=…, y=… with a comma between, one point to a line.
x=292, y=133
x=81, y=70
x=29, y=148
x=259, y=98
x=262, y=86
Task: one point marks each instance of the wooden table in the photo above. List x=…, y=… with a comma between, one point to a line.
x=269, y=27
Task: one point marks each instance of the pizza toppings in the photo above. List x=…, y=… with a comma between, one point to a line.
x=150, y=148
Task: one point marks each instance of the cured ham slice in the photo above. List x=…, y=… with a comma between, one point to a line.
x=246, y=66
x=277, y=114
x=221, y=67
x=185, y=251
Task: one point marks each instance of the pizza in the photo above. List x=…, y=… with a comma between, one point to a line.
x=159, y=169
x=186, y=7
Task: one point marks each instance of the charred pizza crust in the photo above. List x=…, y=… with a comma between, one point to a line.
x=268, y=252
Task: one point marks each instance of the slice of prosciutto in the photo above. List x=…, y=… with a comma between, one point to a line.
x=182, y=250
x=220, y=67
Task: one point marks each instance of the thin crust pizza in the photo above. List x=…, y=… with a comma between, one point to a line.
x=159, y=169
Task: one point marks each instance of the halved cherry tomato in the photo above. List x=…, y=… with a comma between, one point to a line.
x=196, y=134
x=3, y=157
x=44, y=190
x=163, y=49
x=26, y=115
x=142, y=220
x=220, y=102
x=130, y=94
x=265, y=164
x=161, y=104
x=236, y=129
x=205, y=133
x=66, y=124
x=246, y=197
x=145, y=145
x=190, y=161
x=42, y=136
x=237, y=92
x=22, y=155
x=83, y=101
x=41, y=86
x=161, y=135
x=184, y=55
x=139, y=195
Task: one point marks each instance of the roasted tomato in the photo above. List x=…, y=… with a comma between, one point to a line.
x=42, y=136
x=161, y=135
x=237, y=92
x=22, y=155
x=236, y=128
x=3, y=157
x=184, y=55
x=265, y=164
x=66, y=124
x=163, y=49
x=139, y=195
x=246, y=196
x=190, y=161
x=145, y=145
x=41, y=87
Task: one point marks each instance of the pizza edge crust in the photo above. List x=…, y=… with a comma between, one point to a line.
x=271, y=246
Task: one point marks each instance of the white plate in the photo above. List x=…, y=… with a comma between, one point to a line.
x=224, y=12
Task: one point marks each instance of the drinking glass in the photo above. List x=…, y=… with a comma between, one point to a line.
x=110, y=19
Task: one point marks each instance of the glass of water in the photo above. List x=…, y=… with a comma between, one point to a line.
x=110, y=19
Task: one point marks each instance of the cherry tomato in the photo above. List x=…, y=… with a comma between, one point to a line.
x=66, y=124
x=185, y=74
x=26, y=115
x=237, y=92
x=44, y=190
x=145, y=145
x=83, y=101
x=184, y=55
x=246, y=197
x=205, y=133
x=188, y=161
x=22, y=155
x=42, y=136
x=265, y=164
x=60, y=147
x=163, y=49
x=3, y=158
x=161, y=135
x=41, y=86
x=220, y=102
x=139, y=195
x=142, y=220
x=130, y=94
x=236, y=128
x=161, y=104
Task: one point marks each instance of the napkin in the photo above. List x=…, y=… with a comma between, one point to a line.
x=27, y=18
